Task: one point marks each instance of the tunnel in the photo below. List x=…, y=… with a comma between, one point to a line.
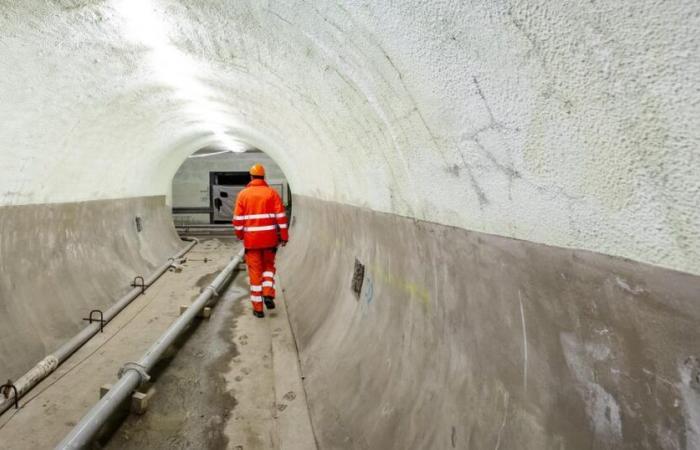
x=495, y=238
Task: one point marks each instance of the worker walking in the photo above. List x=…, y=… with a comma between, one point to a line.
x=260, y=221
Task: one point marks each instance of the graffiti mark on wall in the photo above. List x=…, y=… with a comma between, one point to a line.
x=413, y=290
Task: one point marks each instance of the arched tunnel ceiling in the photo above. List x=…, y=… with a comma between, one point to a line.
x=568, y=123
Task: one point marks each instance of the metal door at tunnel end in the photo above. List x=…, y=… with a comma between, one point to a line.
x=224, y=188
x=224, y=199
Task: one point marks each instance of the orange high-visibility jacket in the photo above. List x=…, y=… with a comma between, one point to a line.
x=259, y=216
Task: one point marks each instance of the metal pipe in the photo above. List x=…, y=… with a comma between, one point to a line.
x=133, y=374
x=205, y=229
x=206, y=225
x=47, y=365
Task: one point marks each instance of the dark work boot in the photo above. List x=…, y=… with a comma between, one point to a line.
x=269, y=302
x=259, y=314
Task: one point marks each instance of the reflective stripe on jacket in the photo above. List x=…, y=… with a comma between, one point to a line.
x=258, y=216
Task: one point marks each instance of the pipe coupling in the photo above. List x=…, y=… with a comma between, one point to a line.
x=135, y=367
x=213, y=290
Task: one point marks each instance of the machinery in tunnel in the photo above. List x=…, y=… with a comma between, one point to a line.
x=205, y=186
x=496, y=240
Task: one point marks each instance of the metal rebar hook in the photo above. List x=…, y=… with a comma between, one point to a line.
x=100, y=319
x=142, y=285
x=5, y=389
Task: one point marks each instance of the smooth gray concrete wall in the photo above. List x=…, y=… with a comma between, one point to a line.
x=467, y=340
x=59, y=261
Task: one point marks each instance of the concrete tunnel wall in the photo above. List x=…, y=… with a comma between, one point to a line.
x=554, y=125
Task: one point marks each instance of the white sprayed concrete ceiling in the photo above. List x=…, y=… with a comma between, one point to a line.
x=564, y=122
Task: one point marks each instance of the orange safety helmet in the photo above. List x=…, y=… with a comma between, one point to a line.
x=257, y=170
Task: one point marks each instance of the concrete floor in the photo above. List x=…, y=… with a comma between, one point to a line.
x=232, y=382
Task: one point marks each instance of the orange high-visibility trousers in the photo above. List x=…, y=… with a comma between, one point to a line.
x=261, y=273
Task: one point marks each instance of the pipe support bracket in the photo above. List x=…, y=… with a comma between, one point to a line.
x=138, y=368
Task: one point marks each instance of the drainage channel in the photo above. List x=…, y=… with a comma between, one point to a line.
x=97, y=320
x=136, y=373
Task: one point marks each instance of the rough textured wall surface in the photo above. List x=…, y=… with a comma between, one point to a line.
x=60, y=261
x=569, y=123
x=465, y=340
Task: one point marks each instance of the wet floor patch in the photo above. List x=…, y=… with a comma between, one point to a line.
x=206, y=280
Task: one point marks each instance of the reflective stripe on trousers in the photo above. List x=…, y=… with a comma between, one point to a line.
x=261, y=272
